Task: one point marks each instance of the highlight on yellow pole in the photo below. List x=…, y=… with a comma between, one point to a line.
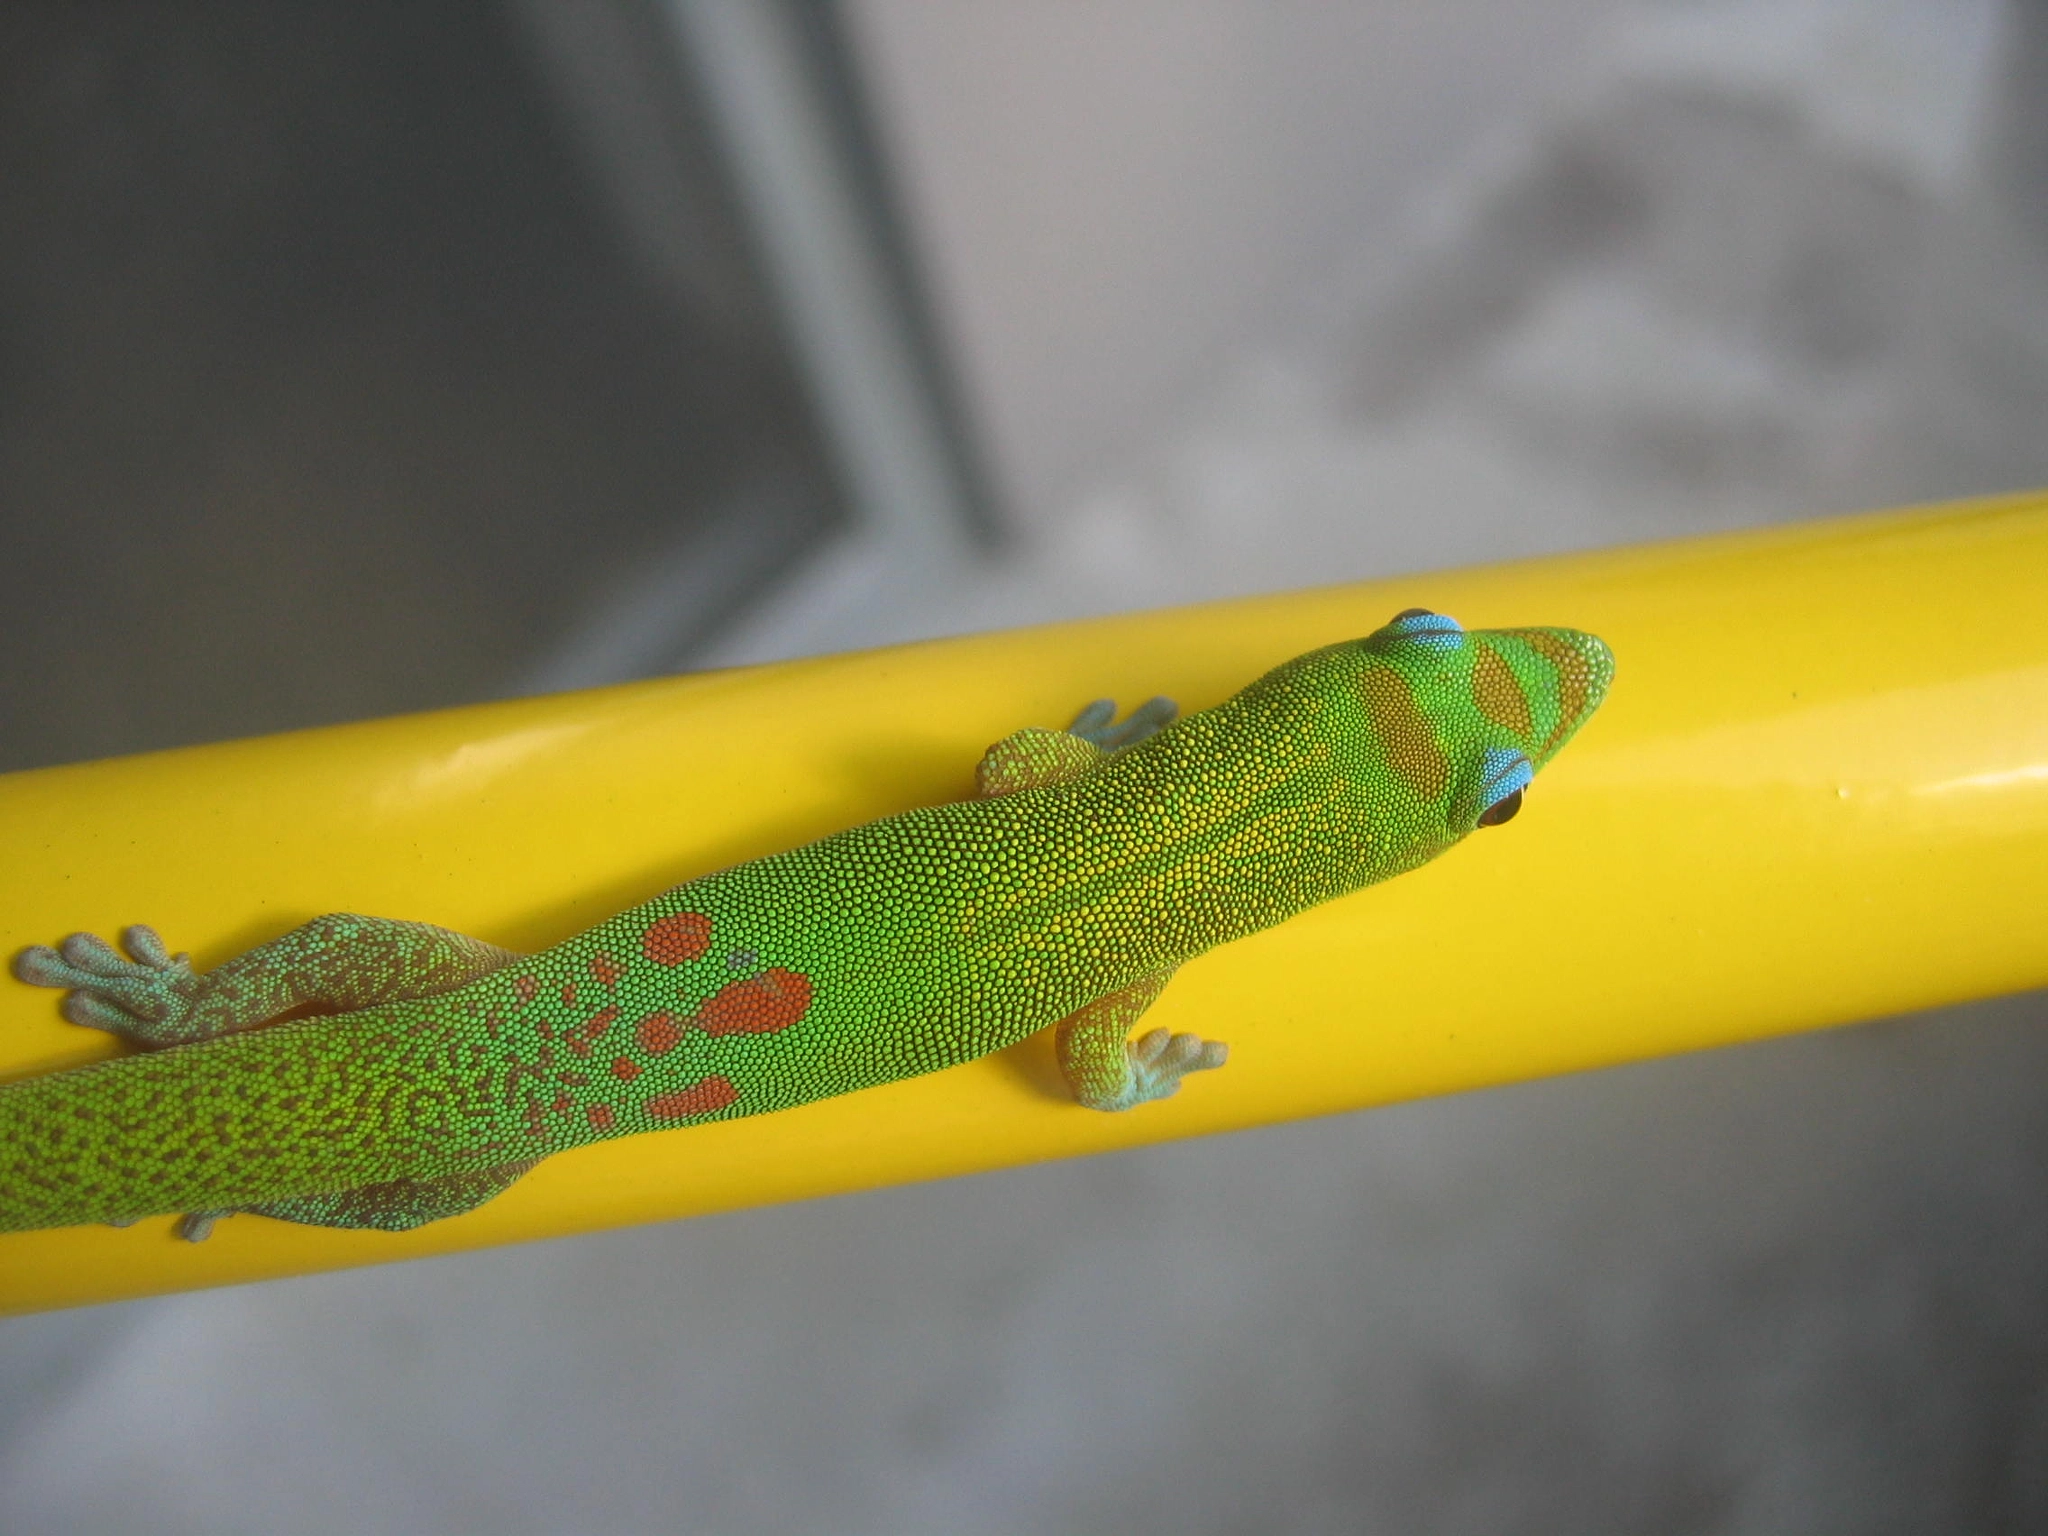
x=1817, y=793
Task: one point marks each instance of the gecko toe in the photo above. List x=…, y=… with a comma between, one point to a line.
x=1148, y=719
x=41, y=966
x=91, y=1011
x=1093, y=719
x=146, y=947
x=1147, y=1049
x=197, y=1226
x=93, y=955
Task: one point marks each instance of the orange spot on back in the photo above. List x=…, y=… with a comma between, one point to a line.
x=759, y=1005
x=625, y=1069
x=714, y=1093
x=658, y=1032
x=676, y=939
x=600, y=1117
x=569, y=993
x=605, y=969
x=526, y=988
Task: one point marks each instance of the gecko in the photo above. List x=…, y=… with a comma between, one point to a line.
x=364, y=1072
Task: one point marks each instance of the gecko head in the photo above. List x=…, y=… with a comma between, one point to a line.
x=1452, y=725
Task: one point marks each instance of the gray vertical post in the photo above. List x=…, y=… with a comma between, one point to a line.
x=794, y=161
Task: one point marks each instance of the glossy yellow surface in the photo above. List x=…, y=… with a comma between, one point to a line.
x=1817, y=793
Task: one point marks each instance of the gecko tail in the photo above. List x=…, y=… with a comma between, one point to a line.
x=237, y=1122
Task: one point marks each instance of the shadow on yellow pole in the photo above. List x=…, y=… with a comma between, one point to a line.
x=1817, y=793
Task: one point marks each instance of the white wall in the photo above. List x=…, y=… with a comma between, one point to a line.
x=1110, y=196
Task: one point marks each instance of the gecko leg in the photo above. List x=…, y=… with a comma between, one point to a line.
x=1035, y=758
x=152, y=998
x=1108, y=1071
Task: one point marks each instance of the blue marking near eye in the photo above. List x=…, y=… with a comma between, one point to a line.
x=1501, y=772
x=1438, y=631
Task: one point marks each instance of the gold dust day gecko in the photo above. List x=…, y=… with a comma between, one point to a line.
x=434, y=1069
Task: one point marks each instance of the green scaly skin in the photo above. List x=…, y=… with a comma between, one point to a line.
x=1094, y=862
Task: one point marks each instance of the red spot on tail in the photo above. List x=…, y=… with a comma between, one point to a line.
x=562, y=1102
x=759, y=1005
x=605, y=969
x=704, y=1098
x=600, y=1117
x=658, y=1032
x=676, y=939
x=527, y=988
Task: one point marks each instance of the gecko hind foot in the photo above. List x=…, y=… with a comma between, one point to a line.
x=141, y=997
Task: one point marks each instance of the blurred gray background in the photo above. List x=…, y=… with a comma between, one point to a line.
x=365, y=358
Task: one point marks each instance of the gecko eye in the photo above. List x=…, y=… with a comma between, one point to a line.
x=1424, y=627
x=1501, y=810
x=1503, y=776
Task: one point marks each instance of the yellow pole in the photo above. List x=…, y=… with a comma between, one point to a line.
x=1818, y=792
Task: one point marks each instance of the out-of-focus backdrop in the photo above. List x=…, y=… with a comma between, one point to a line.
x=373, y=357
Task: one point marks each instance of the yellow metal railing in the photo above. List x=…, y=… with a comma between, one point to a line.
x=1817, y=793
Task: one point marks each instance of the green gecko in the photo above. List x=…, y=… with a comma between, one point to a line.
x=1092, y=863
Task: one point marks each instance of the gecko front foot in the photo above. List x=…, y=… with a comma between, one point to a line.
x=1159, y=1060
x=143, y=998
x=1097, y=723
